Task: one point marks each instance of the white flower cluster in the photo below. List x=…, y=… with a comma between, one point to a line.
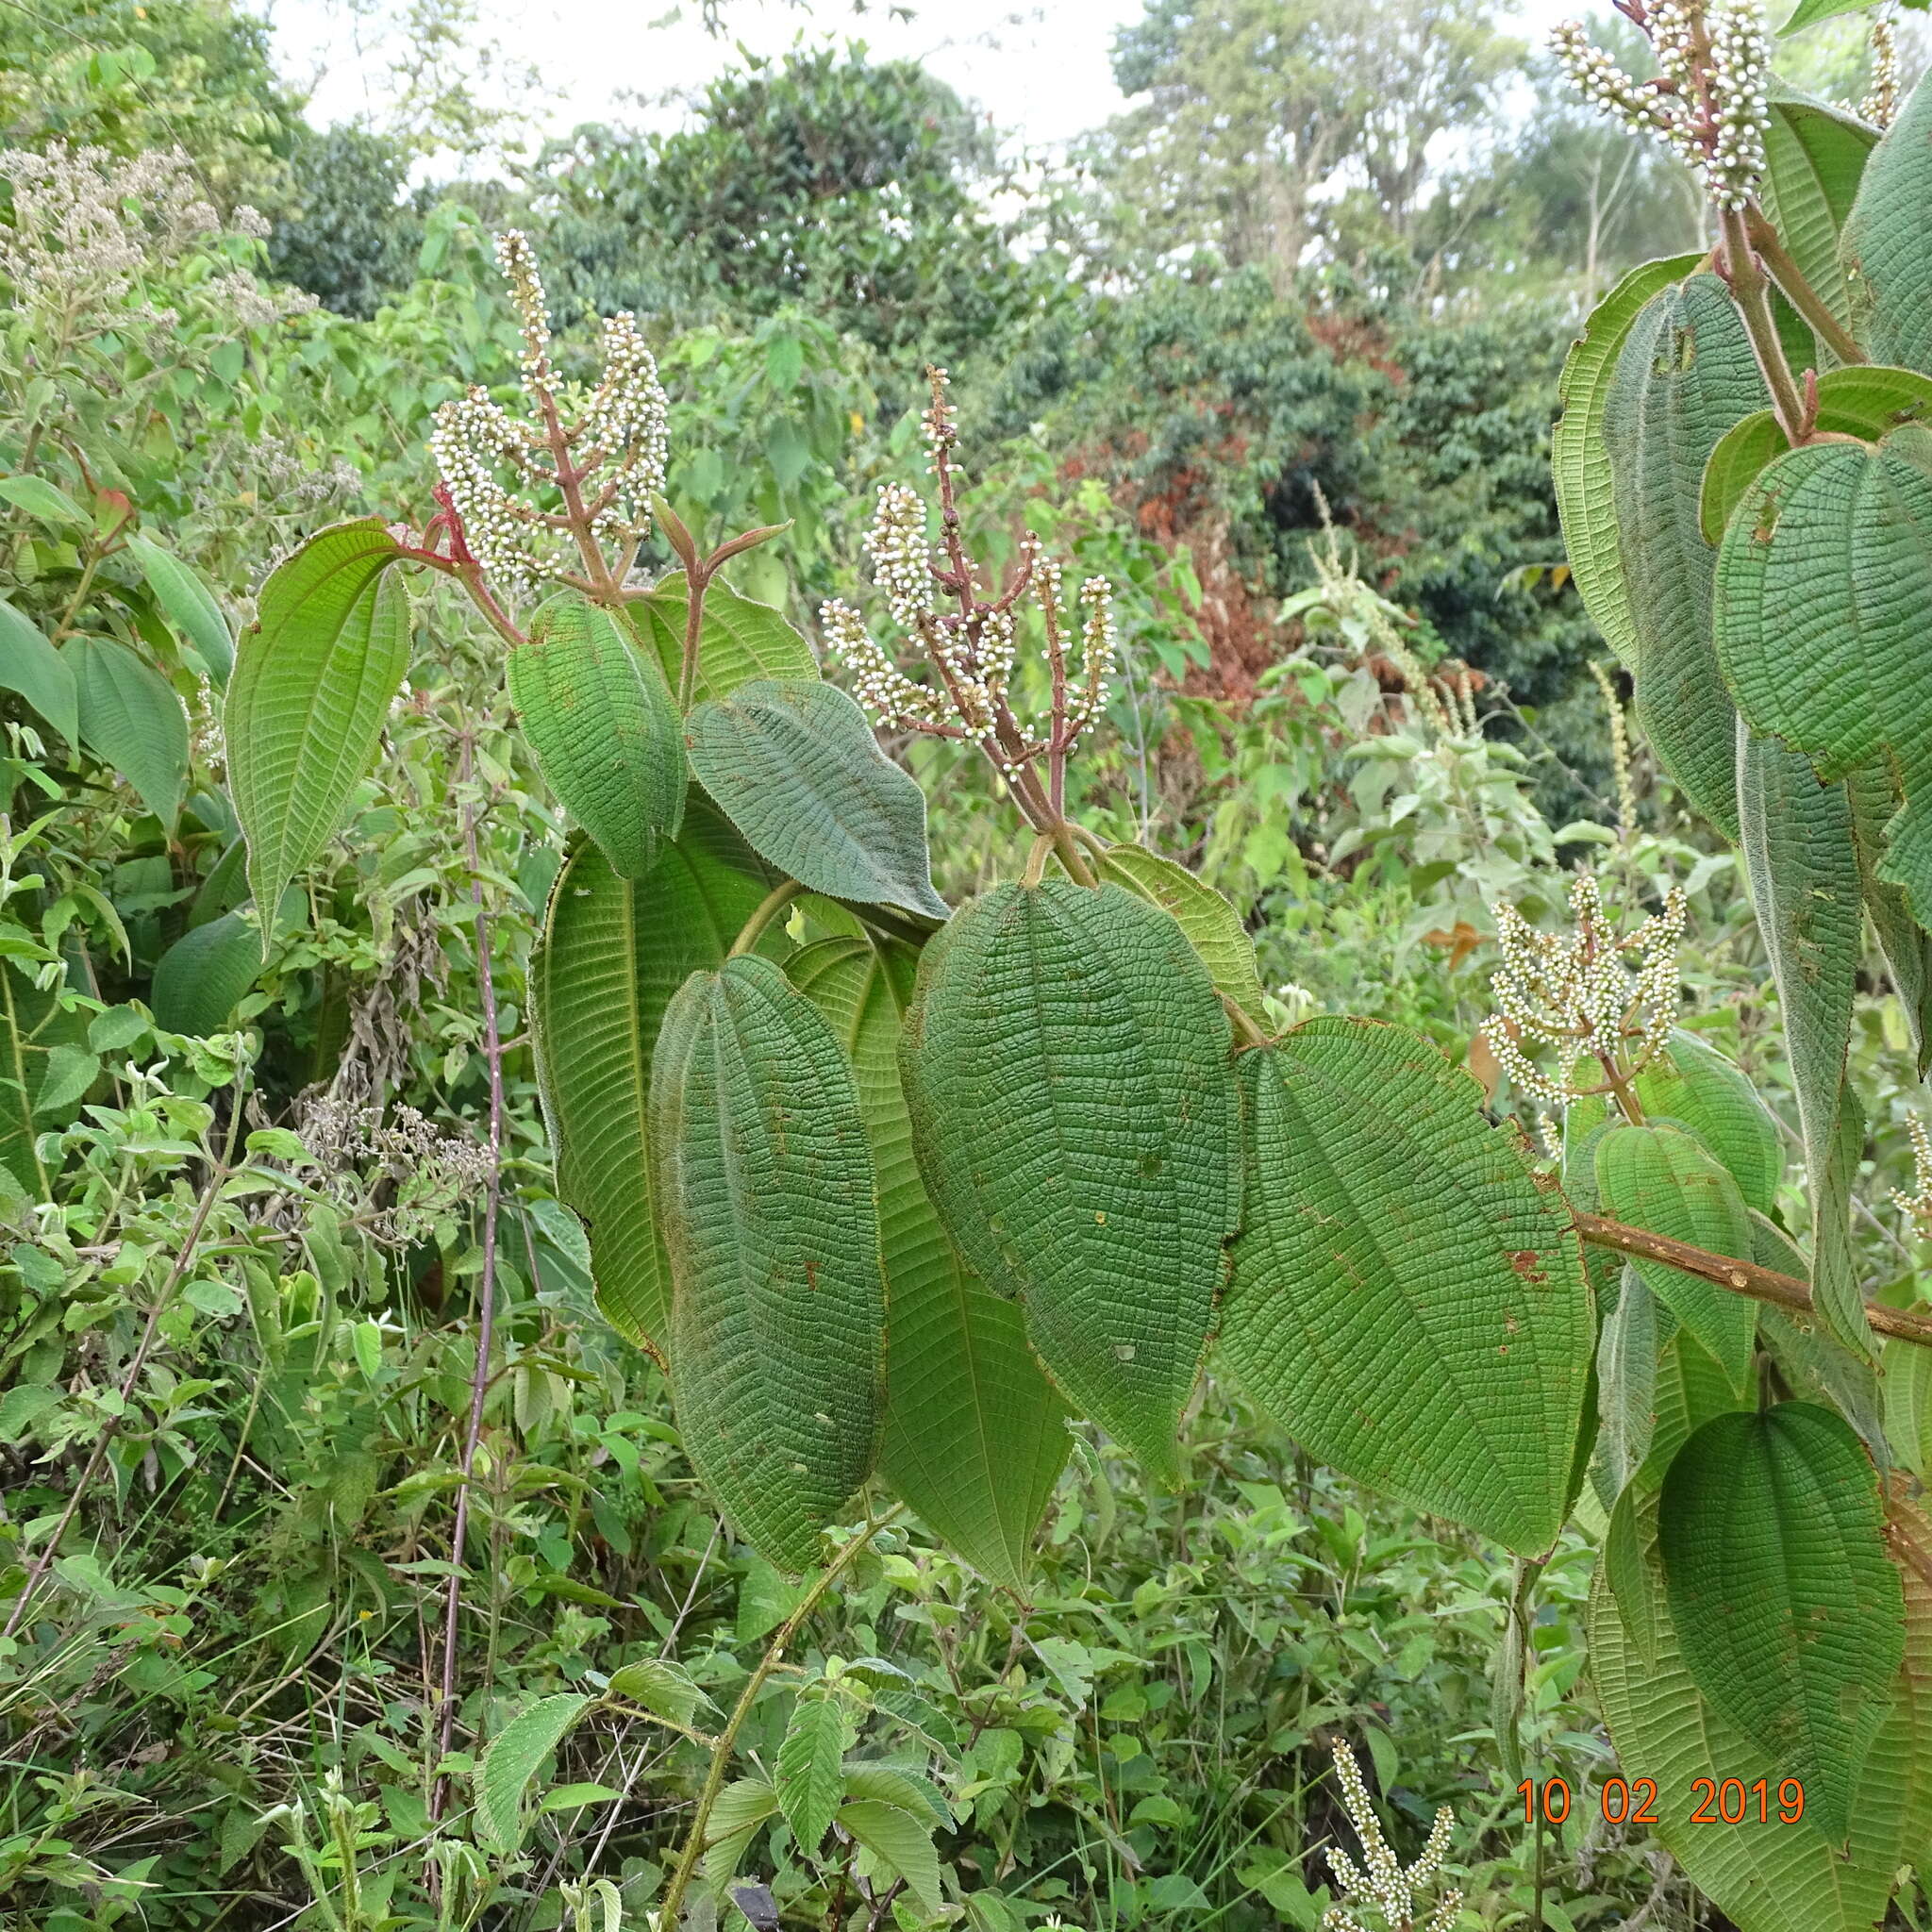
x=1880, y=105
x=1380, y=1880
x=1588, y=992
x=1917, y=1204
x=1708, y=99
x=526, y=487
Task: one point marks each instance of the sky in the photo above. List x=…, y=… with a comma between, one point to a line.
x=1040, y=71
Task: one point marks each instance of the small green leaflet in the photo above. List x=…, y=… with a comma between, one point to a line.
x=1664, y=1181
x=32, y=666
x=1580, y=462
x=1066, y=1068
x=794, y=766
x=42, y=499
x=1407, y=1302
x=766, y=1201
x=1786, y=1604
x=902, y=1843
x=313, y=680
x=810, y=1765
x=604, y=728
x=514, y=1756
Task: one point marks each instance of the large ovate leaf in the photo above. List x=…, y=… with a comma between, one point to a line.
x=1824, y=596
x=1407, y=1301
x=314, y=681
x=902, y=1841
x=739, y=638
x=604, y=728
x=32, y=666
x=200, y=977
x=1814, y=157
x=1768, y=1876
x=1786, y=1608
x=130, y=717
x=1685, y=377
x=1867, y=401
x=1802, y=866
x=514, y=1756
x=975, y=1436
x=794, y=766
x=1580, y=462
x=1885, y=262
x=1212, y=926
x=612, y=954
x=1664, y=1182
x=1066, y=1066
x=767, y=1205
x=189, y=604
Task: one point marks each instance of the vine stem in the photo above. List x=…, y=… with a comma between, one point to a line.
x=184, y=1257
x=721, y=1757
x=486, y=1326
x=1741, y=1277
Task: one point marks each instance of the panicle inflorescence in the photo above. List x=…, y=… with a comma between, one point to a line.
x=1591, y=992
x=1917, y=1204
x=579, y=468
x=1381, y=1881
x=1708, y=99
x=971, y=649
x=1880, y=105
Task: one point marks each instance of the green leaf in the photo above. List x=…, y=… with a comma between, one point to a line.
x=794, y=766
x=34, y=1028
x=1686, y=375
x=604, y=730
x=42, y=499
x=659, y=1685
x=1664, y=1181
x=189, y=604
x=1407, y=1302
x=1809, y=12
x=204, y=974
x=1802, y=868
x=514, y=1756
x=740, y=640
x=130, y=717
x=975, y=1436
x=900, y=1840
x=1690, y=1083
x=1814, y=157
x=70, y=1072
x=811, y=1761
x=1075, y=1119
x=30, y=665
x=1764, y=1877
x=1868, y=402
x=1690, y=1389
x=1212, y=926
x=314, y=681
x=1630, y=1570
x=1887, y=264
x=612, y=954
x=1815, y=1367
x=1876, y=800
x=1812, y=655
x=1908, y=1404
x=743, y=1809
x=766, y=1201
x=1580, y=462
x=1626, y=1369
x=894, y=1784
x=1786, y=1605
